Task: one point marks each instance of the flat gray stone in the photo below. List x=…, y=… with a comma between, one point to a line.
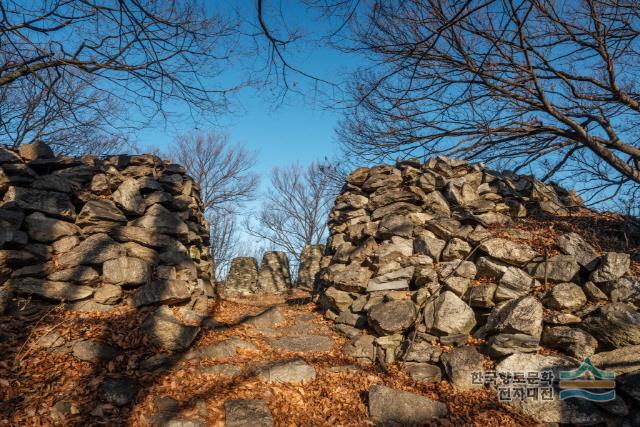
x=126, y=271
x=96, y=249
x=304, y=343
x=268, y=318
x=92, y=351
x=424, y=372
x=391, y=317
x=162, y=292
x=574, y=244
x=288, y=371
x=55, y=291
x=388, y=406
x=166, y=332
x=247, y=413
x=614, y=325
x=118, y=392
x=507, y=251
x=624, y=360
x=50, y=202
x=460, y=364
x=219, y=351
x=44, y=229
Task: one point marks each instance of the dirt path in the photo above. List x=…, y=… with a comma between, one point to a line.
x=287, y=362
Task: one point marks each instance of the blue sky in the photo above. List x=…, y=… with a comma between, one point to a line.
x=298, y=127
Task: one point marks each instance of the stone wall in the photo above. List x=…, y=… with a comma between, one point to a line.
x=311, y=262
x=423, y=259
x=246, y=278
x=97, y=232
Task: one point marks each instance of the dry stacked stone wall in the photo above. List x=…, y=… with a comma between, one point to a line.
x=97, y=232
x=246, y=278
x=415, y=267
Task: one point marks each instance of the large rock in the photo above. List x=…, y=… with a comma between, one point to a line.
x=247, y=413
x=382, y=176
x=397, y=279
x=50, y=202
x=294, y=371
x=449, y=315
x=456, y=249
x=165, y=291
x=614, y=325
x=93, y=351
x=56, y=291
x=570, y=411
x=160, y=220
x=507, y=251
x=273, y=275
x=242, y=278
x=514, y=283
x=391, y=317
x=621, y=361
x=166, y=332
x=426, y=243
x=44, y=229
x=561, y=268
x=523, y=315
x=79, y=274
x=350, y=278
x=501, y=345
x=572, y=341
x=126, y=271
x=574, y=244
x=96, y=249
x=100, y=213
x=565, y=296
x=419, y=351
x=424, y=372
x=143, y=236
x=460, y=365
x=395, y=225
x=118, y=391
x=36, y=150
x=360, y=347
x=128, y=197
x=613, y=265
x=388, y=406
x=336, y=299
x=625, y=289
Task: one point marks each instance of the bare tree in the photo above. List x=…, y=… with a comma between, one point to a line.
x=550, y=86
x=223, y=172
x=296, y=207
x=145, y=53
x=81, y=122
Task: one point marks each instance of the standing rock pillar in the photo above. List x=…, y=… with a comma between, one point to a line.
x=310, y=265
x=242, y=278
x=274, y=276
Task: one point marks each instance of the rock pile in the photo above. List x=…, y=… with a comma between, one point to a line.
x=415, y=265
x=96, y=232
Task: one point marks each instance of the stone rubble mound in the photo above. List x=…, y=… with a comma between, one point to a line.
x=97, y=232
x=413, y=266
